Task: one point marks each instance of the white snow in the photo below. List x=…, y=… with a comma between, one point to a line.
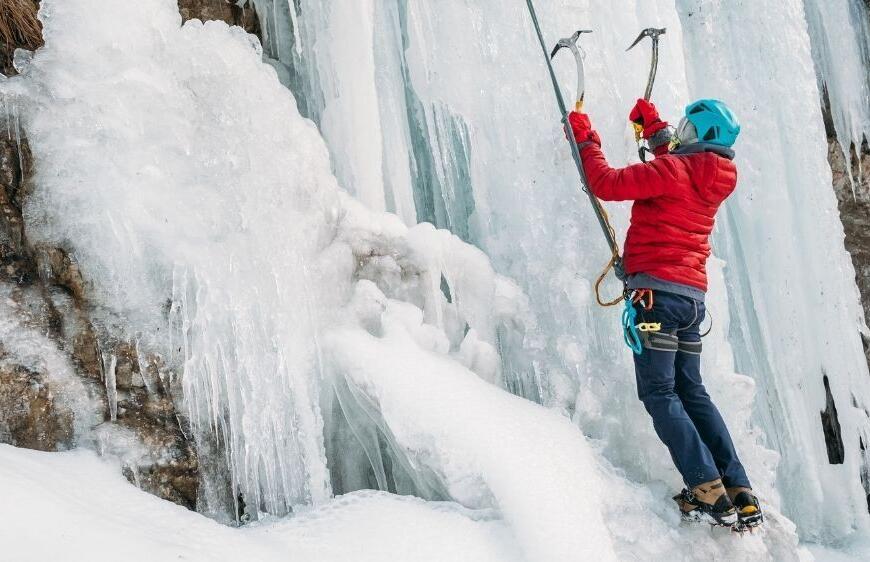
x=75, y=506
x=534, y=464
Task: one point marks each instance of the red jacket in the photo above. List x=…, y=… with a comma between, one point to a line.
x=675, y=202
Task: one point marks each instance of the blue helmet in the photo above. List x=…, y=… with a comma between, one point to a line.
x=713, y=122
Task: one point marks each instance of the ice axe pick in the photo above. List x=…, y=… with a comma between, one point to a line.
x=654, y=35
x=571, y=43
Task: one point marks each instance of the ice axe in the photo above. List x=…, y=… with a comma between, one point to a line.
x=571, y=43
x=654, y=35
x=601, y=215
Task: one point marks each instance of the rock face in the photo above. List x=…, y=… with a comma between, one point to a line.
x=53, y=371
x=53, y=404
x=18, y=28
x=93, y=389
x=241, y=13
x=29, y=415
x=853, y=196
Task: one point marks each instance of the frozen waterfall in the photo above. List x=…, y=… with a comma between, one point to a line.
x=262, y=229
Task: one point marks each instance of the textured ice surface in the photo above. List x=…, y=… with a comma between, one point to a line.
x=795, y=313
x=193, y=239
x=325, y=347
x=486, y=142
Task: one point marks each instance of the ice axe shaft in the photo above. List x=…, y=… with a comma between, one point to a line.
x=571, y=44
x=653, y=34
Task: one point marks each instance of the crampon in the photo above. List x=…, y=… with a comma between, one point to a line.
x=720, y=514
x=746, y=515
x=749, y=514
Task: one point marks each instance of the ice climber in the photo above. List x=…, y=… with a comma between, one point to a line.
x=676, y=197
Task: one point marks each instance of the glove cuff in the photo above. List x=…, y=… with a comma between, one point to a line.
x=591, y=138
x=660, y=138
x=653, y=128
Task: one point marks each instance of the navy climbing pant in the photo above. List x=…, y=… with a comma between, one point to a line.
x=669, y=385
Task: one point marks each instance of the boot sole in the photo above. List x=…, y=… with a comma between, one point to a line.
x=699, y=516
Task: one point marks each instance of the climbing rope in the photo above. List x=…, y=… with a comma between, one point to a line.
x=614, y=259
x=600, y=213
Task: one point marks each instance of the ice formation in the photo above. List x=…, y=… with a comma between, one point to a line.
x=840, y=37
x=327, y=343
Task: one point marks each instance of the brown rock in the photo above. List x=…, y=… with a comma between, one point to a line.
x=853, y=197
x=18, y=28
x=49, y=294
x=16, y=263
x=29, y=415
x=244, y=16
x=174, y=472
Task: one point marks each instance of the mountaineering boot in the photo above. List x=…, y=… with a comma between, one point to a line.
x=707, y=501
x=748, y=509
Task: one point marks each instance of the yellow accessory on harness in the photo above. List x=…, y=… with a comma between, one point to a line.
x=650, y=327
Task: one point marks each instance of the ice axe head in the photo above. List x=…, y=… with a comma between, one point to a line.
x=650, y=32
x=653, y=34
x=571, y=44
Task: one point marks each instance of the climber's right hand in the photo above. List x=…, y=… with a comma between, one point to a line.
x=645, y=114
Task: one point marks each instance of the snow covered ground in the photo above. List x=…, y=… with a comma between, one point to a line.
x=74, y=506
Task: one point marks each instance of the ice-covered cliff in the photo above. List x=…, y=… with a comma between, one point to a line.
x=272, y=268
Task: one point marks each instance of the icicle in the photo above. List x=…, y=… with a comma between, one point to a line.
x=297, y=32
x=142, y=366
x=18, y=138
x=840, y=39
x=109, y=363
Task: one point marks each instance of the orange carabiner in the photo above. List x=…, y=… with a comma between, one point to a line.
x=644, y=296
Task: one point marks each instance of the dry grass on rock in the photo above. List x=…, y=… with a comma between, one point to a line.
x=19, y=26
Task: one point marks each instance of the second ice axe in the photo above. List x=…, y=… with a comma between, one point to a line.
x=654, y=35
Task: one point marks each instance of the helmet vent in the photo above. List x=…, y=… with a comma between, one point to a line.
x=712, y=134
x=699, y=109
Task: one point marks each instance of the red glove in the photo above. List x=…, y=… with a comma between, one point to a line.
x=582, y=128
x=646, y=115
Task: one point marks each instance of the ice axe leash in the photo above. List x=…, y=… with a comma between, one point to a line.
x=654, y=35
x=600, y=213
